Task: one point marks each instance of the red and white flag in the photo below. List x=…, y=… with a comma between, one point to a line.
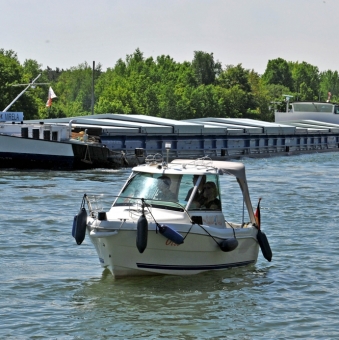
x=51, y=95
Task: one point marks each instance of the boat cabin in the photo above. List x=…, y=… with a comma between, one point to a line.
x=196, y=191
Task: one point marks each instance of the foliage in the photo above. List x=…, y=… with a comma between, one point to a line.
x=329, y=82
x=278, y=72
x=205, y=68
x=305, y=81
x=262, y=98
x=74, y=91
x=10, y=72
x=161, y=87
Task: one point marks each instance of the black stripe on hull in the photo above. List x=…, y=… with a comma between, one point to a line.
x=193, y=267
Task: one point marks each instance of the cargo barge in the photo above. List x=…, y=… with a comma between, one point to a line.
x=132, y=137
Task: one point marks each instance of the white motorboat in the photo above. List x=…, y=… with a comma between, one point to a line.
x=163, y=221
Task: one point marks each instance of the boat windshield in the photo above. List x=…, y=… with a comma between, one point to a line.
x=172, y=191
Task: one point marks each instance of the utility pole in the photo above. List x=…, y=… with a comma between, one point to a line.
x=93, y=87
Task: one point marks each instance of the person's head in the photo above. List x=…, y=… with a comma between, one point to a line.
x=210, y=190
x=164, y=181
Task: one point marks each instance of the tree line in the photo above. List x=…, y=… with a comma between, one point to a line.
x=164, y=88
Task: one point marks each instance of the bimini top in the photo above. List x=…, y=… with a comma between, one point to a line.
x=189, y=166
x=232, y=168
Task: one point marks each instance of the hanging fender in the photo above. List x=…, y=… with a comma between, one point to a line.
x=228, y=244
x=142, y=233
x=79, y=226
x=264, y=245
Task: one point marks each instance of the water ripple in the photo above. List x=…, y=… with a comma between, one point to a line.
x=52, y=288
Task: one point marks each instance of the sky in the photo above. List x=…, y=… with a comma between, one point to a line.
x=66, y=33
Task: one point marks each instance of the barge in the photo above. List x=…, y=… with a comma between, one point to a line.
x=133, y=137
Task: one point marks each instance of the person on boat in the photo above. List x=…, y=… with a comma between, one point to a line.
x=210, y=194
x=164, y=193
x=198, y=197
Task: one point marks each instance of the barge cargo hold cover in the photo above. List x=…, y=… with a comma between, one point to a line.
x=217, y=138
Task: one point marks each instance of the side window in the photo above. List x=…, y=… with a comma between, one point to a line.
x=207, y=194
x=211, y=194
x=336, y=109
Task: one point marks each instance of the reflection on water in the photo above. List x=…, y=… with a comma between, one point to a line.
x=182, y=305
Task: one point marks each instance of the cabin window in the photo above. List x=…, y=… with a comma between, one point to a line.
x=312, y=107
x=160, y=190
x=207, y=194
x=172, y=191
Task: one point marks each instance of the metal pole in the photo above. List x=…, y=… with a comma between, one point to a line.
x=21, y=93
x=287, y=102
x=93, y=87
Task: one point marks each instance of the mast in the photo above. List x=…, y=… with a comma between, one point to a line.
x=21, y=93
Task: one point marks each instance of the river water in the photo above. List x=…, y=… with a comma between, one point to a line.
x=52, y=288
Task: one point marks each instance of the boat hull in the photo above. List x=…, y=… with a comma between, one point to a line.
x=199, y=253
x=22, y=153
x=29, y=153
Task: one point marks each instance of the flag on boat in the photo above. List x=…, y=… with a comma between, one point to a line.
x=51, y=95
x=257, y=214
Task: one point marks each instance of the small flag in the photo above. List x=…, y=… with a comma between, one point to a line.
x=257, y=214
x=51, y=95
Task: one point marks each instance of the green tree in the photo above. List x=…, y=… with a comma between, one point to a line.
x=278, y=72
x=38, y=93
x=263, y=99
x=230, y=102
x=52, y=75
x=236, y=80
x=10, y=73
x=306, y=80
x=234, y=76
x=74, y=91
x=205, y=68
x=329, y=82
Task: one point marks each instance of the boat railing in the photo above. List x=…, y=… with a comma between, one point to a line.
x=94, y=203
x=154, y=158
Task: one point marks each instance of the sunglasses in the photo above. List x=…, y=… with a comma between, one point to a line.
x=208, y=188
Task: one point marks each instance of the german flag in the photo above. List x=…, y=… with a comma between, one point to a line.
x=257, y=214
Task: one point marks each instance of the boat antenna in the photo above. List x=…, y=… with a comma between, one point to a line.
x=167, y=147
x=32, y=84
